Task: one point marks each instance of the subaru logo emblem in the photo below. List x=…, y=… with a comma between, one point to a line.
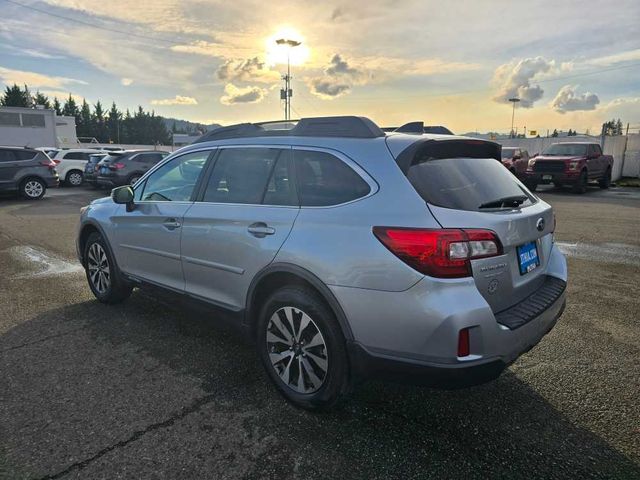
x=493, y=286
x=540, y=224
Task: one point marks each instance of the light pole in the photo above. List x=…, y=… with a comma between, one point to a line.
x=287, y=91
x=513, y=100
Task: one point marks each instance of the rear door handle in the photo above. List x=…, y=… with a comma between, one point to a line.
x=260, y=230
x=171, y=224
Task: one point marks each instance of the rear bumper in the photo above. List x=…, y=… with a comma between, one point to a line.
x=413, y=335
x=52, y=182
x=109, y=181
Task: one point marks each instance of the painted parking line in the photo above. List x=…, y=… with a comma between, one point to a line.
x=605, y=252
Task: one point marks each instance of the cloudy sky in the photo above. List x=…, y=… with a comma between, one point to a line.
x=573, y=64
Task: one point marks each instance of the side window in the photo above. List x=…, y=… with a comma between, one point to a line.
x=240, y=175
x=174, y=181
x=149, y=158
x=24, y=154
x=281, y=189
x=596, y=149
x=76, y=156
x=7, y=156
x=326, y=180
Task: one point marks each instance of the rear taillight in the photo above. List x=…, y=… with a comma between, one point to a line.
x=48, y=163
x=463, y=343
x=116, y=166
x=56, y=162
x=443, y=253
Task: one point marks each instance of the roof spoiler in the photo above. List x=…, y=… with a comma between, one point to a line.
x=411, y=127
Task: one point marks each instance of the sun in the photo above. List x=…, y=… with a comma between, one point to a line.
x=277, y=54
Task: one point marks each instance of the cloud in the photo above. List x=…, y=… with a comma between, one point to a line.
x=35, y=80
x=514, y=79
x=177, y=100
x=233, y=95
x=126, y=81
x=628, y=56
x=246, y=70
x=567, y=100
x=338, y=78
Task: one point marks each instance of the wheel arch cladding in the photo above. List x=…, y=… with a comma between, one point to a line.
x=277, y=276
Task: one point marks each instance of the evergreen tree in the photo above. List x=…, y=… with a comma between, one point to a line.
x=15, y=97
x=84, y=126
x=114, y=120
x=41, y=99
x=56, y=106
x=619, y=127
x=98, y=122
x=555, y=133
x=71, y=109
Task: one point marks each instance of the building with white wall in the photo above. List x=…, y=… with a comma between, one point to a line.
x=29, y=127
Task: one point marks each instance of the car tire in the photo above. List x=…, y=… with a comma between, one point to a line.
x=605, y=182
x=313, y=377
x=74, y=178
x=32, y=188
x=104, y=278
x=581, y=184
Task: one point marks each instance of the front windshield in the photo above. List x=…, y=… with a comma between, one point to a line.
x=566, y=149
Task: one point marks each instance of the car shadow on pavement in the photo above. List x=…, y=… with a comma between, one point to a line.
x=81, y=383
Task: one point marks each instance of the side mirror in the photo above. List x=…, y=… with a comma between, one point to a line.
x=123, y=195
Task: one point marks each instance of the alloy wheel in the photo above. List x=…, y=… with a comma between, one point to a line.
x=297, y=350
x=33, y=189
x=98, y=266
x=75, y=178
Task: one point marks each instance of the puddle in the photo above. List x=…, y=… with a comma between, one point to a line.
x=604, y=252
x=40, y=263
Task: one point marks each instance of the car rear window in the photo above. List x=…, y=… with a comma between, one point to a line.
x=565, y=149
x=463, y=183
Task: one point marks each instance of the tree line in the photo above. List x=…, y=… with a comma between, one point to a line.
x=106, y=126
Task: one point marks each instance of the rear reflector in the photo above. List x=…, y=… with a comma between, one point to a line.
x=116, y=166
x=463, y=343
x=443, y=253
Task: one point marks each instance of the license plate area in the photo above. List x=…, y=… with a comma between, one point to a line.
x=528, y=259
x=547, y=178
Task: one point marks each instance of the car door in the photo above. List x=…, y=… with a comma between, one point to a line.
x=148, y=236
x=9, y=167
x=593, y=161
x=598, y=159
x=246, y=211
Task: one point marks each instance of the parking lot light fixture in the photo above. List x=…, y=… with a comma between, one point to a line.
x=287, y=92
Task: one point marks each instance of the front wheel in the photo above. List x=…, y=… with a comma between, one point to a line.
x=302, y=349
x=581, y=184
x=105, y=281
x=33, y=189
x=605, y=182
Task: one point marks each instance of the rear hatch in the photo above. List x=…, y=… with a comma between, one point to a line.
x=106, y=166
x=466, y=186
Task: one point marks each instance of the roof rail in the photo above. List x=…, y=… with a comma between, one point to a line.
x=411, y=127
x=419, y=128
x=345, y=126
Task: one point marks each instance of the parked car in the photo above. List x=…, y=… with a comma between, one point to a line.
x=574, y=163
x=91, y=168
x=70, y=164
x=125, y=168
x=516, y=160
x=341, y=251
x=26, y=171
x=49, y=151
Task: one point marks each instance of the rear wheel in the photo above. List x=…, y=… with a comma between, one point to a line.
x=74, y=178
x=33, y=189
x=105, y=281
x=302, y=348
x=581, y=184
x=605, y=182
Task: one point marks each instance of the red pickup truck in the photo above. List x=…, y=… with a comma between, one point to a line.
x=570, y=163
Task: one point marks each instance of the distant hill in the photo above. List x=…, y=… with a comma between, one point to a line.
x=191, y=128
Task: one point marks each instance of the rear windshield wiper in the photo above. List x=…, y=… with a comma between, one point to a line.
x=512, y=201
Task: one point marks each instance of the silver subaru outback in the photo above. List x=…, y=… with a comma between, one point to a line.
x=343, y=252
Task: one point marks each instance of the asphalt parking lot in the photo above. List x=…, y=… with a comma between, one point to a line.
x=150, y=390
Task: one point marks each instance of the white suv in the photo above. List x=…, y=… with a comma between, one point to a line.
x=70, y=164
